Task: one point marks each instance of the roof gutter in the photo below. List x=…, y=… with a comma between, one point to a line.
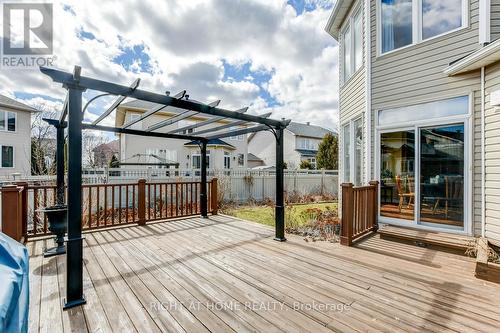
x=467, y=64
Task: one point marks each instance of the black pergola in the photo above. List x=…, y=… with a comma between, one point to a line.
x=76, y=84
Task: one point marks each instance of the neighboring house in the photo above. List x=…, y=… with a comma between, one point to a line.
x=104, y=152
x=419, y=82
x=15, y=137
x=301, y=143
x=254, y=161
x=227, y=153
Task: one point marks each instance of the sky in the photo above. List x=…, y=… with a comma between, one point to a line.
x=270, y=55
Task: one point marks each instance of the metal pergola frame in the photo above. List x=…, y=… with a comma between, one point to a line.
x=72, y=108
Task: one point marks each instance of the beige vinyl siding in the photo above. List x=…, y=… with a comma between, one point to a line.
x=414, y=75
x=492, y=152
x=495, y=19
x=352, y=99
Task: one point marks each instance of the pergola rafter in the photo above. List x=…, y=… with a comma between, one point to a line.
x=116, y=103
x=205, y=122
x=179, y=117
x=229, y=125
x=77, y=84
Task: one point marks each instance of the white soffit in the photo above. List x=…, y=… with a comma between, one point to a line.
x=340, y=10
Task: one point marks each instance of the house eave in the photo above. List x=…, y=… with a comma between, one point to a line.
x=27, y=109
x=483, y=57
x=340, y=10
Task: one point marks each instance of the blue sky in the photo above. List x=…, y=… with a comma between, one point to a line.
x=272, y=56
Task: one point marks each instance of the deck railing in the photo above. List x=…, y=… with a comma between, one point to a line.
x=106, y=205
x=359, y=211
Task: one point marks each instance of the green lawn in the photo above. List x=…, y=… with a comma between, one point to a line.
x=265, y=214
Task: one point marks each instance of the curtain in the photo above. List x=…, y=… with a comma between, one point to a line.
x=388, y=18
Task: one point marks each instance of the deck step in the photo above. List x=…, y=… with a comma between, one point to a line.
x=459, y=243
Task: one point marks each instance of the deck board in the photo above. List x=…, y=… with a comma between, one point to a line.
x=214, y=275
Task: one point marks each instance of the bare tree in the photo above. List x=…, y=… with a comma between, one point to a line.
x=42, y=140
x=90, y=140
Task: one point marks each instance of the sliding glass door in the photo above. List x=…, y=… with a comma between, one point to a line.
x=422, y=165
x=442, y=162
x=397, y=176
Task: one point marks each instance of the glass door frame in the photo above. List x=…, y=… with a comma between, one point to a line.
x=468, y=164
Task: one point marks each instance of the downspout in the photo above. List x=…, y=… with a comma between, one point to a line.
x=483, y=155
x=368, y=91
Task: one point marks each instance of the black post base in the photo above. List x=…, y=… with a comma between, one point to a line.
x=280, y=239
x=72, y=304
x=54, y=251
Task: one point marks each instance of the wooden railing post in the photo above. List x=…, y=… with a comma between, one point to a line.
x=374, y=184
x=24, y=209
x=11, y=212
x=213, y=196
x=141, y=202
x=347, y=214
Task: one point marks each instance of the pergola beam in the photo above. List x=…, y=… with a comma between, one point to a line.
x=116, y=103
x=204, y=123
x=141, y=133
x=116, y=89
x=64, y=111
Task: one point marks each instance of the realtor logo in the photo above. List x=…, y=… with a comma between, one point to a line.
x=27, y=35
x=27, y=28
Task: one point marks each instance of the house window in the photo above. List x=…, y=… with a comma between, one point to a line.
x=352, y=134
x=227, y=160
x=8, y=121
x=187, y=123
x=7, y=157
x=134, y=117
x=358, y=150
x=439, y=17
x=346, y=135
x=306, y=143
x=352, y=41
x=241, y=160
x=196, y=160
x=312, y=161
x=237, y=137
x=406, y=22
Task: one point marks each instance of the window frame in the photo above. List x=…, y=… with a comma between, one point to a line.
x=352, y=150
x=417, y=24
x=467, y=120
x=6, y=118
x=349, y=24
x=198, y=155
x=242, y=156
x=13, y=157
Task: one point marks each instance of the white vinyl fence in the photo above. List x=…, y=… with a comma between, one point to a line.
x=235, y=185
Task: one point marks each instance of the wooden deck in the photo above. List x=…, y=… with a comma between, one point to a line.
x=225, y=275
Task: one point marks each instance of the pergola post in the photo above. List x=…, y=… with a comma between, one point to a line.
x=280, y=204
x=74, y=254
x=203, y=190
x=60, y=163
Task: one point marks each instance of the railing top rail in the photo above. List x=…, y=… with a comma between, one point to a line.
x=52, y=186
x=361, y=188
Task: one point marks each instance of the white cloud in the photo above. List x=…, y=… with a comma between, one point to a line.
x=186, y=42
